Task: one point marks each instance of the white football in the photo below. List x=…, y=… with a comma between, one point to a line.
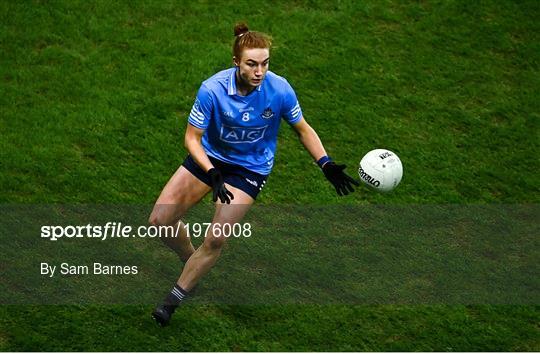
x=381, y=170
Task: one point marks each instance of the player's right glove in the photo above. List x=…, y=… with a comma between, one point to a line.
x=342, y=182
x=218, y=187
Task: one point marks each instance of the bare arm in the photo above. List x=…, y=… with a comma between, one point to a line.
x=192, y=142
x=334, y=173
x=309, y=138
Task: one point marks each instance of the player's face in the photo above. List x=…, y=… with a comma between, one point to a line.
x=253, y=65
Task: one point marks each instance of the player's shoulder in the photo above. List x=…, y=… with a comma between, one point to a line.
x=219, y=81
x=276, y=79
x=277, y=83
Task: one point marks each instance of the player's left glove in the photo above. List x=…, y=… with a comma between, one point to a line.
x=342, y=182
x=218, y=187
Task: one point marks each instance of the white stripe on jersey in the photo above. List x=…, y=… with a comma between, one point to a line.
x=231, y=90
x=196, y=115
x=295, y=110
x=195, y=119
x=197, y=112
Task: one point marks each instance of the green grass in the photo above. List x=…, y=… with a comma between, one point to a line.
x=285, y=328
x=94, y=98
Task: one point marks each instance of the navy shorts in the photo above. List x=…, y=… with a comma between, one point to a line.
x=237, y=176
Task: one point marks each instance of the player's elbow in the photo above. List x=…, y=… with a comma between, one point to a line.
x=304, y=130
x=306, y=133
x=189, y=141
x=192, y=138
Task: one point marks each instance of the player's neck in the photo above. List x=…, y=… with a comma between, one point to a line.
x=242, y=88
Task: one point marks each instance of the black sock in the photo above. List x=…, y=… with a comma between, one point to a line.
x=174, y=298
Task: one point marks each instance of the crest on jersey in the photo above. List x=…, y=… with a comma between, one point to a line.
x=267, y=114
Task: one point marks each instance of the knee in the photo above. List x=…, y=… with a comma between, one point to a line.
x=161, y=216
x=154, y=219
x=214, y=243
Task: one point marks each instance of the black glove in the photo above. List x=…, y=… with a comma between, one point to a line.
x=341, y=181
x=218, y=187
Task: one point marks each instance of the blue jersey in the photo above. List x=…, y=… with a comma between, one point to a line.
x=242, y=130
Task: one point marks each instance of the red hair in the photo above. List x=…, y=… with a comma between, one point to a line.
x=246, y=39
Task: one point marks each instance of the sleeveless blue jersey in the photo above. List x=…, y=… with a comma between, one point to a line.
x=242, y=130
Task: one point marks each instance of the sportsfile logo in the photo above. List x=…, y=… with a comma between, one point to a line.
x=368, y=178
x=237, y=135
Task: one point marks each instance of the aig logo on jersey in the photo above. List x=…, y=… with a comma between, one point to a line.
x=237, y=135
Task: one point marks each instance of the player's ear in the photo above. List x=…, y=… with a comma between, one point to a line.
x=235, y=60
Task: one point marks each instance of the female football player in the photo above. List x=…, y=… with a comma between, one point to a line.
x=231, y=139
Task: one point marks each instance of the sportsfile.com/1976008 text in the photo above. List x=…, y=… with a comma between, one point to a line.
x=119, y=230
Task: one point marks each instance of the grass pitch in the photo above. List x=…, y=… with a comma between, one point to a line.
x=94, y=98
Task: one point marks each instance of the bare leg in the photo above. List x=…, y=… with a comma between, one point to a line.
x=179, y=194
x=207, y=254
x=182, y=244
